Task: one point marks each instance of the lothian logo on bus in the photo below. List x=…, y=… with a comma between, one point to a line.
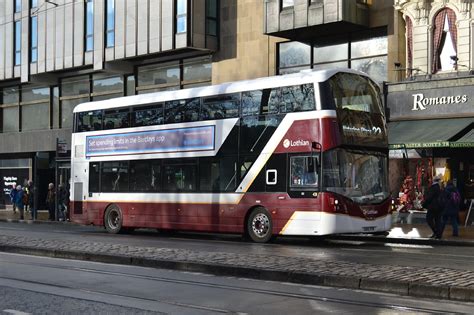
x=297, y=143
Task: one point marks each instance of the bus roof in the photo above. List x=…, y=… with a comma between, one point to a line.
x=301, y=77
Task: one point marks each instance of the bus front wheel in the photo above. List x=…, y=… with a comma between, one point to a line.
x=113, y=219
x=259, y=225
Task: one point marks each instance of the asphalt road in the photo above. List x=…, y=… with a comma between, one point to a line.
x=359, y=252
x=39, y=285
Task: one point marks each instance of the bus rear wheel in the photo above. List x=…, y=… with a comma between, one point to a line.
x=259, y=225
x=113, y=219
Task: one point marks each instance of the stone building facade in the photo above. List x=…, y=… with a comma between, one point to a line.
x=432, y=105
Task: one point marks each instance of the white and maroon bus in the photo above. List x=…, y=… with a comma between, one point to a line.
x=297, y=154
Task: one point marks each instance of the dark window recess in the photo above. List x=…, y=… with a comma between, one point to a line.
x=114, y=119
x=182, y=110
x=94, y=177
x=255, y=131
x=180, y=177
x=145, y=176
x=147, y=115
x=114, y=177
x=218, y=174
x=89, y=121
x=221, y=106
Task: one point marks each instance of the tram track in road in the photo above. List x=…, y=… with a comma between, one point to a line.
x=308, y=296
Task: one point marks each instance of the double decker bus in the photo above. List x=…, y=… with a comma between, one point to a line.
x=297, y=154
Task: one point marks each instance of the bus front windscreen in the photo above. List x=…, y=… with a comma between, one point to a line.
x=360, y=176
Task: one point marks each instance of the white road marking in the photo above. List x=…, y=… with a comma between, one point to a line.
x=15, y=312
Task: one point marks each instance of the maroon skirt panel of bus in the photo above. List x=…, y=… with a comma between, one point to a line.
x=226, y=217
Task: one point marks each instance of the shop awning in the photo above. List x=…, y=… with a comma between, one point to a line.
x=433, y=133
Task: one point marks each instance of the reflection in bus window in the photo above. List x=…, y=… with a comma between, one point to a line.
x=147, y=116
x=179, y=178
x=292, y=99
x=354, y=92
x=304, y=172
x=89, y=121
x=145, y=176
x=114, y=177
x=251, y=101
x=220, y=107
x=116, y=119
x=182, y=110
x=218, y=174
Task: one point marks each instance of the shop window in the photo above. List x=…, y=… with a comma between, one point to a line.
x=444, y=40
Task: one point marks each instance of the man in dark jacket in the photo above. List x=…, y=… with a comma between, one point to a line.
x=432, y=204
x=451, y=208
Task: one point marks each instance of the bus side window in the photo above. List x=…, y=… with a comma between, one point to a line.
x=182, y=110
x=251, y=101
x=89, y=121
x=220, y=107
x=147, y=116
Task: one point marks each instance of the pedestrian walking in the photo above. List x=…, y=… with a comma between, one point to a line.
x=433, y=204
x=451, y=208
x=12, y=196
x=26, y=200
x=51, y=201
x=31, y=199
x=19, y=201
x=63, y=200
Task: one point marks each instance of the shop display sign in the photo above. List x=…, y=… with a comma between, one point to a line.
x=437, y=102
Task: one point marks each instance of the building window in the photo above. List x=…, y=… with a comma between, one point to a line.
x=17, y=43
x=444, y=40
x=105, y=87
x=89, y=23
x=33, y=4
x=174, y=75
x=409, y=31
x=211, y=17
x=364, y=51
x=35, y=108
x=17, y=4
x=110, y=23
x=181, y=16
x=34, y=39
x=10, y=109
x=293, y=57
x=287, y=3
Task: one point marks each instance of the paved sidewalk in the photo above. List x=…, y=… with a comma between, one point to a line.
x=432, y=282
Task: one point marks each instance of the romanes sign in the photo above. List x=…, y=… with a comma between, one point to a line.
x=420, y=102
x=437, y=102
